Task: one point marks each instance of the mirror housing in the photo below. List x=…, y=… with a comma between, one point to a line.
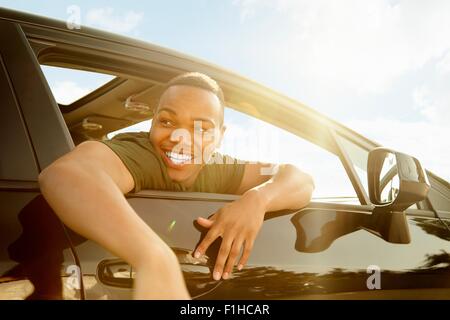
x=404, y=171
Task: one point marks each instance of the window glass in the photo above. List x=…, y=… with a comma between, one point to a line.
x=69, y=85
x=141, y=126
x=358, y=156
x=249, y=138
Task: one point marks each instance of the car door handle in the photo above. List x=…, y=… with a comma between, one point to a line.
x=118, y=273
x=186, y=257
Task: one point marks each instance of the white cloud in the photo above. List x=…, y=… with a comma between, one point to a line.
x=104, y=18
x=247, y=8
x=432, y=97
x=443, y=66
x=425, y=103
x=358, y=45
x=66, y=92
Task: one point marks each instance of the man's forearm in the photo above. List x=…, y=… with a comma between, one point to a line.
x=289, y=188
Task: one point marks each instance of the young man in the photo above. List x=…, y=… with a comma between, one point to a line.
x=177, y=154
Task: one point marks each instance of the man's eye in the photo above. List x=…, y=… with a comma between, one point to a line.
x=166, y=122
x=199, y=129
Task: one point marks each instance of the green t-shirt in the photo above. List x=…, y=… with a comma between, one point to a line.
x=223, y=175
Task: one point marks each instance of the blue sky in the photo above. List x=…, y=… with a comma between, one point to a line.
x=380, y=67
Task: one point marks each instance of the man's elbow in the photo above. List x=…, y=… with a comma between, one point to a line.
x=308, y=181
x=305, y=186
x=304, y=196
x=304, y=179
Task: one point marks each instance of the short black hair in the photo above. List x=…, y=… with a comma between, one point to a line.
x=199, y=80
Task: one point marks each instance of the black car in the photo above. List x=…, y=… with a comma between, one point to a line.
x=390, y=240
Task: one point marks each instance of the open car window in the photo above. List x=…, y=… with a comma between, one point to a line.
x=249, y=138
x=70, y=85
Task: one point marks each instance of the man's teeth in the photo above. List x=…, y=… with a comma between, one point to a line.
x=178, y=158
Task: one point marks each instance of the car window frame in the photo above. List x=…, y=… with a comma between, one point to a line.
x=66, y=58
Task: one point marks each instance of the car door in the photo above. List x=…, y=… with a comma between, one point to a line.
x=33, y=135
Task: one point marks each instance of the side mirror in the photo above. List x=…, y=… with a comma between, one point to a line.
x=396, y=180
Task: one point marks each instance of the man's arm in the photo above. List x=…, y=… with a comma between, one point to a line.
x=85, y=189
x=264, y=188
x=281, y=186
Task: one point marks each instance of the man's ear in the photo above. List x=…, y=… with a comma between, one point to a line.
x=151, y=127
x=222, y=133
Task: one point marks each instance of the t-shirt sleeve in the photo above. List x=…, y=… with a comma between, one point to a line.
x=140, y=160
x=225, y=174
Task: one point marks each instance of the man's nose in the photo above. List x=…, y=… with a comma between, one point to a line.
x=182, y=136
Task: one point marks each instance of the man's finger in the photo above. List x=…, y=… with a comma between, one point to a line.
x=234, y=253
x=248, y=246
x=222, y=257
x=210, y=237
x=205, y=223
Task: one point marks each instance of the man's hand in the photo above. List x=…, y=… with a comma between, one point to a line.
x=238, y=223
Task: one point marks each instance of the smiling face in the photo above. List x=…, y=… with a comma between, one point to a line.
x=182, y=130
